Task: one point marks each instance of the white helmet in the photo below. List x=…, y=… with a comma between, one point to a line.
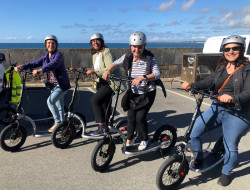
x=233, y=39
x=137, y=38
x=96, y=36
x=51, y=37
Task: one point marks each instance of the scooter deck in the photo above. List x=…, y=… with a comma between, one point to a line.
x=39, y=117
x=209, y=161
x=133, y=150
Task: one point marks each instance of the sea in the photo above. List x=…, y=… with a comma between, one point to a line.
x=87, y=45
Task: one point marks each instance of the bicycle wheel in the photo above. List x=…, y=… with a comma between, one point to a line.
x=6, y=114
x=12, y=137
x=122, y=125
x=102, y=155
x=164, y=133
x=172, y=172
x=78, y=121
x=63, y=135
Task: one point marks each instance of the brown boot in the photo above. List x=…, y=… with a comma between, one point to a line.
x=53, y=127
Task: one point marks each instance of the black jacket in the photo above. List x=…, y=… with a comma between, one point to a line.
x=241, y=83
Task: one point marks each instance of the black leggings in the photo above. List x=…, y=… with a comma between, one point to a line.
x=100, y=102
x=139, y=117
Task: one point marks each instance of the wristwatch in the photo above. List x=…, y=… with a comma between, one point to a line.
x=145, y=77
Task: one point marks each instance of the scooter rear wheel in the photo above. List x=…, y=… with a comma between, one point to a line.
x=13, y=137
x=122, y=125
x=102, y=154
x=164, y=133
x=172, y=172
x=63, y=135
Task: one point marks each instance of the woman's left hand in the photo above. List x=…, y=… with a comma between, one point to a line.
x=225, y=98
x=137, y=81
x=35, y=72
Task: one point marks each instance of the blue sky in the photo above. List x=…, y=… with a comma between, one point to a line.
x=161, y=20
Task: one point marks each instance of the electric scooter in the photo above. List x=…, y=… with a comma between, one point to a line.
x=163, y=139
x=174, y=170
x=62, y=135
x=14, y=135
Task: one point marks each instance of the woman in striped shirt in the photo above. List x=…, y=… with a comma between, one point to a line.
x=141, y=65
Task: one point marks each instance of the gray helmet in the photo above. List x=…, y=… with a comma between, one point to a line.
x=137, y=38
x=96, y=36
x=51, y=37
x=233, y=39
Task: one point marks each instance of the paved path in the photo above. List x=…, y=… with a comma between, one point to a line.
x=40, y=166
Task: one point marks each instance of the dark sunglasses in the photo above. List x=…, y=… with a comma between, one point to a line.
x=236, y=48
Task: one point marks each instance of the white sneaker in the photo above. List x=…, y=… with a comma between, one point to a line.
x=143, y=145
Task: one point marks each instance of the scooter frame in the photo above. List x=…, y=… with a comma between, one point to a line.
x=185, y=147
x=20, y=116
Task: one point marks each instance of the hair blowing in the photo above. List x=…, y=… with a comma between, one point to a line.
x=241, y=59
x=103, y=46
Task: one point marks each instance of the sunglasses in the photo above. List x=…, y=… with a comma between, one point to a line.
x=236, y=48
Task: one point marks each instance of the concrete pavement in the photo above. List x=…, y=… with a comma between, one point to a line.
x=39, y=165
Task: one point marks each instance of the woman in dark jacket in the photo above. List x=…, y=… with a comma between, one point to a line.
x=231, y=82
x=52, y=63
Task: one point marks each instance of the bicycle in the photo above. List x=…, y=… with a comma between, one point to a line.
x=174, y=170
x=14, y=135
x=163, y=140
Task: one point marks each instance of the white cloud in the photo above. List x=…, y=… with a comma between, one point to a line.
x=233, y=24
x=10, y=38
x=226, y=17
x=29, y=38
x=246, y=10
x=246, y=20
x=166, y=6
x=171, y=22
x=205, y=10
x=187, y=5
x=212, y=19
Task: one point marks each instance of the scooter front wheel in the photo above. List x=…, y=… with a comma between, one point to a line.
x=102, y=154
x=78, y=122
x=172, y=172
x=165, y=133
x=13, y=137
x=63, y=135
x=6, y=114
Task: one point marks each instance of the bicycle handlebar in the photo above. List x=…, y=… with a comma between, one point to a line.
x=216, y=98
x=127, y=79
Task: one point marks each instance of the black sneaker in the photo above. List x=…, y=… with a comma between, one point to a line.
x=224, y=180
x=197, y=163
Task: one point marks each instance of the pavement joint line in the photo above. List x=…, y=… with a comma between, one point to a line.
x=204, y=103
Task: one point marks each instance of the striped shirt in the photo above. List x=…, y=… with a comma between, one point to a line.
x=139, y=69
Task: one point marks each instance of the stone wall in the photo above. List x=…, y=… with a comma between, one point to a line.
x=168, y=59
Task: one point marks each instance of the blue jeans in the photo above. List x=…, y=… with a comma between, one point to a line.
x=56, y=103
x=234, y=124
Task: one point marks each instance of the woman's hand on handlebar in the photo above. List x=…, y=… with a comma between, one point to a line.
x=18, y=68
x=185, y=86
x=89, y=72
x=137, y=80
x=106, y=75
x=225, y=98
x=35, y=72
